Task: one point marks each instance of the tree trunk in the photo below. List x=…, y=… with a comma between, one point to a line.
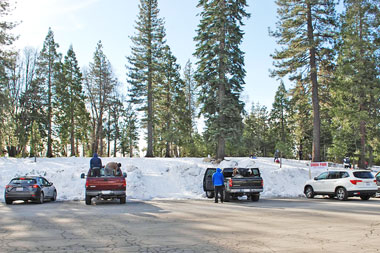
x=49, y=152
x=149, y=152
x=314, y=81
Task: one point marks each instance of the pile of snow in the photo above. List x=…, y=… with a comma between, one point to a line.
x=157, y=178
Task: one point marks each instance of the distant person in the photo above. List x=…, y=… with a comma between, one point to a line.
x=96, y=164
x=218, y=181
x=347, y=162
x=300, y=154
x=276, y=153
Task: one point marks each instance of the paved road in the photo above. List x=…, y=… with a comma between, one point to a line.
x=270, y=225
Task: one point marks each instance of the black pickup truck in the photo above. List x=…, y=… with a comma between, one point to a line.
x=244, y=181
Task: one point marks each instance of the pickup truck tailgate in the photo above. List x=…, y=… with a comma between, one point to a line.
x=106, y=183
x=246, y=183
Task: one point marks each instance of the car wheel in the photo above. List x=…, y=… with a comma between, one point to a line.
x=227, y=196
x=54, y=198
x=122, y=200
x=210, y=194
x=309, y=192
x=255, y=197
x=41, y=199
x=365, y=197
x=88, y=200
x=341, y=193
x=8, y=201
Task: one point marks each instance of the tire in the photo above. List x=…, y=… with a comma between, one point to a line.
x=122, y=200
x=309, y=192
x=210, y=194
x=227, y=196
x=41, y=199
x=54, y=198
x=255, y=197
x=8, y=201
x=88, y=200
x=365, y=197
x=341, y=193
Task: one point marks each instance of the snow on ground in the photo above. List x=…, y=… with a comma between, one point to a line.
x=157, y=178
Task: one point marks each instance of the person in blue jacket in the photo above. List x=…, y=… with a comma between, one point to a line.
x=95, y=162
x=218, y=181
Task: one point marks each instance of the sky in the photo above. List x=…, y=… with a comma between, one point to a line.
x=83, y=23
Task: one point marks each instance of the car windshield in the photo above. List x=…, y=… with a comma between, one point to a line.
x=104, y=172
x=241, y=172
x=363, y=174
x=23, y=181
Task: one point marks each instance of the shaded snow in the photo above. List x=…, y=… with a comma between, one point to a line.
x=157, y=178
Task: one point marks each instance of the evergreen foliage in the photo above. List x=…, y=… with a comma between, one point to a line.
x=220, y=69
x=305, y=30
x=144, y=64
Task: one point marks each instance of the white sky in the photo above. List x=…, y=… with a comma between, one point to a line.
x=83, y=23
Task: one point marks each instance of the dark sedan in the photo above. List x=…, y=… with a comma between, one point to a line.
x=29, y=188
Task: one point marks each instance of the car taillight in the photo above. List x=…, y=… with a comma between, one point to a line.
x=124, y=183
x=7, y=186
x=86, y=183
x=374, y=181
x=35, y=186
x=230, y=182
x=355, y=181
x=262, y=183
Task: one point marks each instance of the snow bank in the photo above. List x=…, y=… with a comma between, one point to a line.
x=156, y=178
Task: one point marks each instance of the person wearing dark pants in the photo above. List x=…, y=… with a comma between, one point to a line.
x=218, y=181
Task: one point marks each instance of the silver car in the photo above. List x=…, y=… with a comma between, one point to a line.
x=29, y=188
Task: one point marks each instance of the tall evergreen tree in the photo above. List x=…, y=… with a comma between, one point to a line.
x=144, y=63
x=70, y=99
x=48, y=71
x=129, y=135
x=357, y=88
x=99, y=83
x=280, y=121
x=306, y=31
x=220, y=73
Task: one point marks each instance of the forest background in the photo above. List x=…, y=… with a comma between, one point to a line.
x=327, y=54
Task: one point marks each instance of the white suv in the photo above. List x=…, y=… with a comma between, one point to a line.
x=342, y=184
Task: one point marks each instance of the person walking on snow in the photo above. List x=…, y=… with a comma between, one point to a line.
x=218, y=181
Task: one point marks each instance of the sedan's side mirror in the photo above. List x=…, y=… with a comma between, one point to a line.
x=124, y=174
x=82, y=175
x=50, y=183
x=316, y=178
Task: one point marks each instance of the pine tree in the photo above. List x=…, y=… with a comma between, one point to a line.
x=129, y=136
x=357, y=85
x=48, y=71
x=70, y=99
x=220, y=73
x=305, y=31
x=144, y=63
x=99, y=83
x=280, y=121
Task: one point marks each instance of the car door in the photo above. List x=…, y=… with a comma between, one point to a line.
x=331, y=182
x=319, y=183
x=207, y=180
x=45, y=187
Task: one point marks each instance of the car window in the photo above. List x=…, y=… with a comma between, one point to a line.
x=23, y=181
x=343, y=174
x=363, y=174
x=40, y=181
x=44, y=181
x=210, y=172
x=334, y=175
x=324, y=175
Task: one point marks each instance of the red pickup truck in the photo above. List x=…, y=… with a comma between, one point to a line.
x=105, y=184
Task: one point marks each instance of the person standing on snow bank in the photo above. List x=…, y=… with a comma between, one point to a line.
x=95, y=162
x=218, y=181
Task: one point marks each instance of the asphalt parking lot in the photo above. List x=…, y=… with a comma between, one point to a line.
x=270, y=225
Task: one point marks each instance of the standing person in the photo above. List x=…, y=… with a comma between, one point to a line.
x=95, y=161
x=218, y=181
x=276, y=155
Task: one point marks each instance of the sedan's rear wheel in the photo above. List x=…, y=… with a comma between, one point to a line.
x=309, y=192
x=41, y=199
x=341, y=193
x=8, y=201
x=255, y=197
